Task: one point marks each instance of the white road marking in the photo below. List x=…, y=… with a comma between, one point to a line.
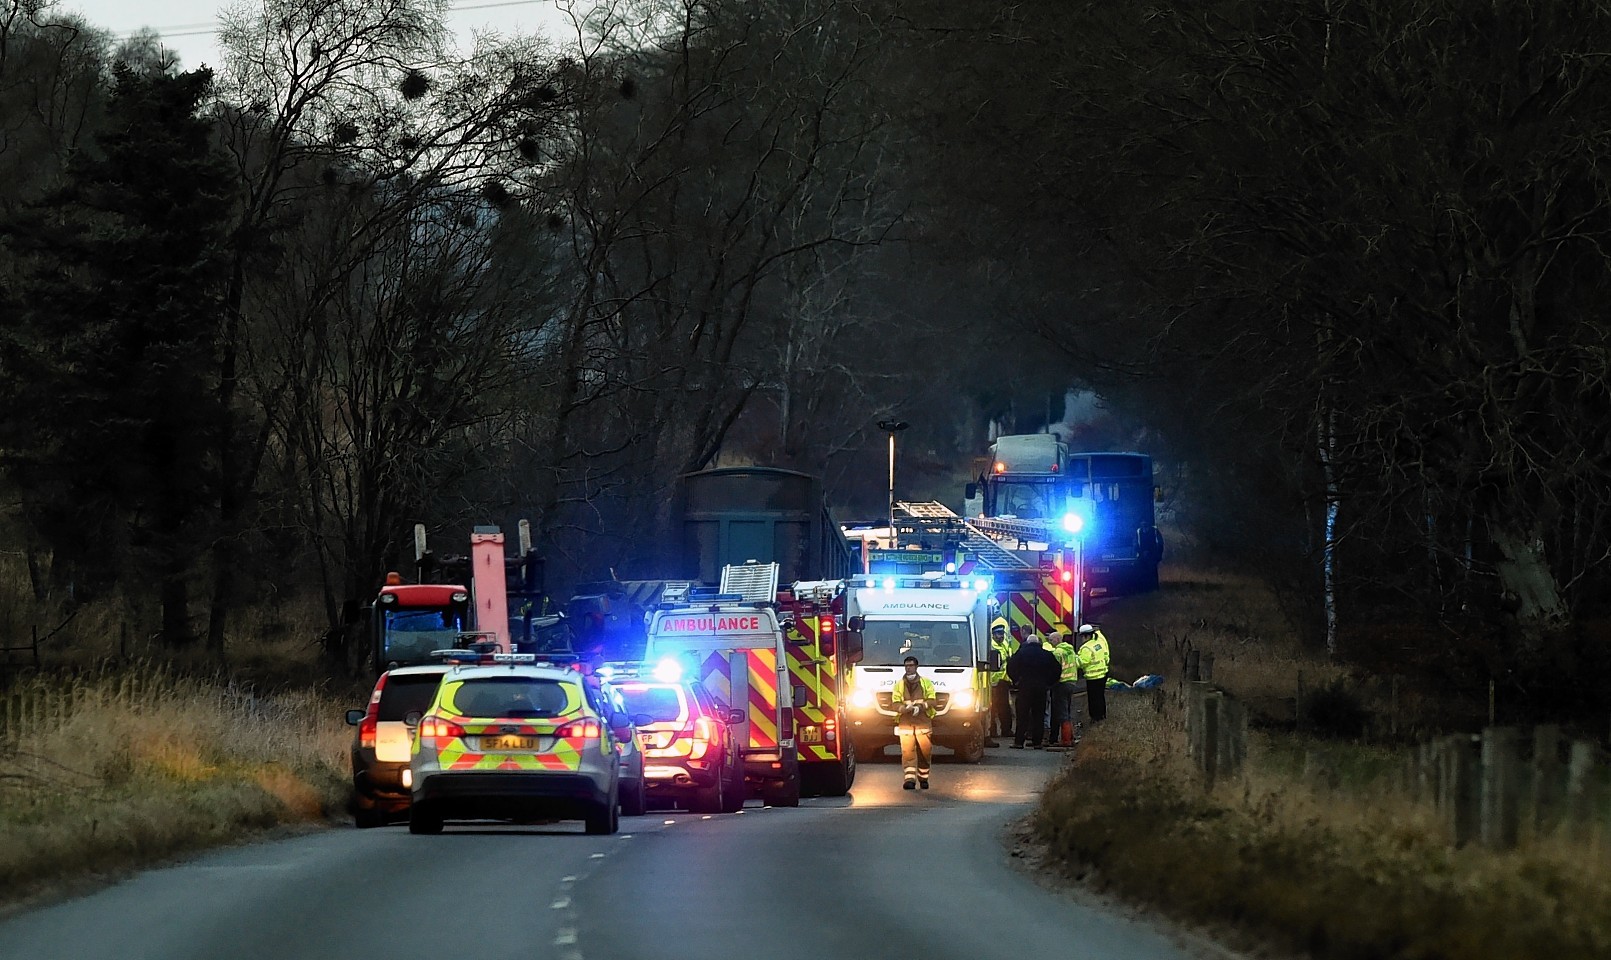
x=568, y=879
x=560, y=904
x=565, y=937
x=596, y=856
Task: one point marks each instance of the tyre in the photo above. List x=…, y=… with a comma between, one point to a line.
x=707, y=799
x=972, y=750
x=834, y=780
x=733, y=795
x=424, y=819
x=368, y=819
x=635, y=800
x=788, y=796
x=606, y=819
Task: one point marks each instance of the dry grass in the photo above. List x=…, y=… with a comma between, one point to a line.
x=107, y=771
x=1318, y=849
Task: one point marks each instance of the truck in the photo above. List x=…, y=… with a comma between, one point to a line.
x=735, y=647
x=1037, y=493
x=499, y=608
x=944, y=621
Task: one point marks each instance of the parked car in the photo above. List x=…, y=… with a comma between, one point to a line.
x=381, y=744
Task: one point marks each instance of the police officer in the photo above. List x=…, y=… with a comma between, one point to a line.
x=1068, y=683
x=1005, y=646
x=1093, y=662
x=914, y=700
x=1034, y=671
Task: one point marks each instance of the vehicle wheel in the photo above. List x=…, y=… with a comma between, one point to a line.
x=368, y=819
x=788, y=796
x=707, y=799
x=834, y=780
x=972, y=750
x=606, y=819
x=733, y=795
x=422, y=819
x=635, y=800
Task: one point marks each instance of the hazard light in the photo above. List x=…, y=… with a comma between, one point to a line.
x=435, y=728
x=1067, y=576
x=587, y=729
x=1001, y=467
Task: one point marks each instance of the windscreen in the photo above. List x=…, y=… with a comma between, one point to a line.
x=664, y=704
x=935, y=643
x=509, y=697
x=1030, y=499
x=413, y=634
x=407, y=693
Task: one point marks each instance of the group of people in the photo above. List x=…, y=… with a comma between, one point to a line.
x=1031, y=675
x=1039, y=670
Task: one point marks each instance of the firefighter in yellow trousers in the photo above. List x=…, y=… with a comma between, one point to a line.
x=914, y=701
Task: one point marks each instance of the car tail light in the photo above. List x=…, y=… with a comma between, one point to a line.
x=435, y=728
x=586, y=729
x=700, y=735
x=370, y=724
x=830, y=731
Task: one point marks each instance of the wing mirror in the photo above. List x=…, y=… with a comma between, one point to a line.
x=735, y=716
x=355, y=717
x=642, y=719
x=412, y=718
x=856, y=624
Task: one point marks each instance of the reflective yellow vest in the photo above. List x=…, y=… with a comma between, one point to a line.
x=897, y=696
x=1006, y=648
x=1069, y=658
x=1093, y=657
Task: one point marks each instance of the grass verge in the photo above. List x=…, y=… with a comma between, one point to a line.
x=105, y=773
x=1317, y=850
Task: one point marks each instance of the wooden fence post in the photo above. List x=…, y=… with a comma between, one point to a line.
x=1547, y=780
x=1501, y=787
x=1459, y=790
x=1206, y=667
x=1193, y=666
x=1231, y=751
x=1580, y=792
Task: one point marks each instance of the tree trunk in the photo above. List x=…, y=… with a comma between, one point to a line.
x=1525, y=575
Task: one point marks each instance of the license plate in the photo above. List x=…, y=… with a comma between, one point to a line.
x=1099, y=569
x=509, y=743
x=655, y=740
x=810, y=735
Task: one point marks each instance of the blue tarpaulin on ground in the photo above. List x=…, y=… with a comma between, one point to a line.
x=1145, y=682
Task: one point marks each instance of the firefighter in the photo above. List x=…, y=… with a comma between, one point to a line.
x=1068, y=684
x=1000, y=690
x=1093, y=659
x=914, y=701
x=1034, y=671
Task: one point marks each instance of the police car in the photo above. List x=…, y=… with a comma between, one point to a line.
x=517, y=740
x=691, y=755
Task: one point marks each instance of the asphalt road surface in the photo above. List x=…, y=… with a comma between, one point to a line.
x=884, y=873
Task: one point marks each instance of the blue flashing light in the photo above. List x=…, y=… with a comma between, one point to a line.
x=950, y=568
x=889, y=584
x=668, y=670
x=1073, y=522
x=981, y=585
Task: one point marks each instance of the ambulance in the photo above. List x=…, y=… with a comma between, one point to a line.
x=944, y=621
x=736, y=650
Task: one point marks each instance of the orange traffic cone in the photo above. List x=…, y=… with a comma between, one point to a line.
x=1065, y=735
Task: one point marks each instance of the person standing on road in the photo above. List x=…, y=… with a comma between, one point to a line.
x=1000, y=690
x=1034, y=671
x=1093, y=660
x=914, y=701
x=1068, y=660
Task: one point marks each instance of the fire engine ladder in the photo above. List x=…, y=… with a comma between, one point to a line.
x=756, y=582
x=974, y=540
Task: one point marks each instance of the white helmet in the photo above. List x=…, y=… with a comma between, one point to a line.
x=1086, y=629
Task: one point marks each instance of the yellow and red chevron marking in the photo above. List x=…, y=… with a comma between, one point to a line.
x=809, y=668
x=763, y=668
x=564, y=754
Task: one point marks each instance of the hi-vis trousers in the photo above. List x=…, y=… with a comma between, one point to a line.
x=917, y=747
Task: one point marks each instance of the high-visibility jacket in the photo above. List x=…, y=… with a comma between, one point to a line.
x=1093, y=657
x=897, y=697
x=1005, y=649
x=1069, y=658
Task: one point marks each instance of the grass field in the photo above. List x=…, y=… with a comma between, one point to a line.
x=1330, y=859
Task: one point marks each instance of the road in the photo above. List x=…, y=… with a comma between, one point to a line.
x=884, y=873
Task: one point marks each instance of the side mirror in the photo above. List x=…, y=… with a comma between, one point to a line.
x=355, y=717
x=412, y=718
x=854, y=647
x=642, y=719
x=970, y=492
x=856, y=624
x=802, y=697
x=995, y=659
x=735, y=716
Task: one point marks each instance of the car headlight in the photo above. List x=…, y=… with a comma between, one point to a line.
x=962, y=700
x=862, y=698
